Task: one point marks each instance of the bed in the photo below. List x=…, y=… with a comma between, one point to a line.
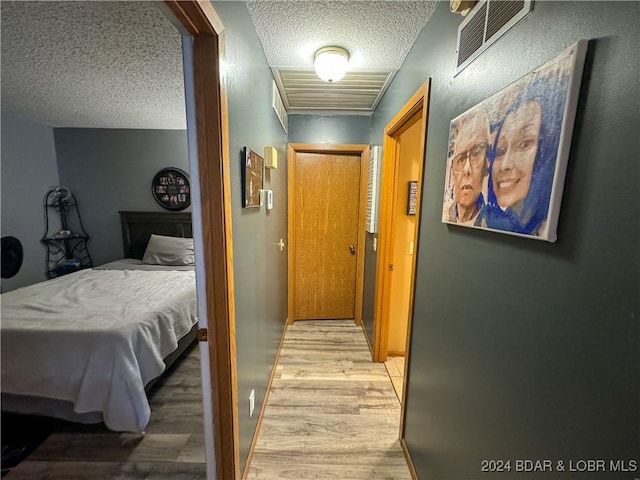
x=86, y=346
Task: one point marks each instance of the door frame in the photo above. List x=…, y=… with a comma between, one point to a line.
x=198, y=19
x=419, y=102
x=294, y=148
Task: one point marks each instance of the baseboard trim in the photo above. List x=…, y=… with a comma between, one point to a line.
x=412, y=469
x=247, y=464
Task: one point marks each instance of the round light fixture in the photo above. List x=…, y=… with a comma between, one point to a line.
x=331, y=63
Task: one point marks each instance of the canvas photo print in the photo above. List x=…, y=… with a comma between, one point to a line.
x=507, y=155
x=252, y=178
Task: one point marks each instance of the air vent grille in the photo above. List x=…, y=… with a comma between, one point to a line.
x=473, y=35
x=357, y=92
x=278, y=106
x=500, y=12
x=371, y=220
x=488, y=21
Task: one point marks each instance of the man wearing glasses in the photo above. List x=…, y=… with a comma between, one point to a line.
x=469, y=167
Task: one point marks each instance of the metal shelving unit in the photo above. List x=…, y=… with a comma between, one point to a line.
x=65, y=237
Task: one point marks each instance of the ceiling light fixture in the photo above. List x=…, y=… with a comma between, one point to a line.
x=331, y=63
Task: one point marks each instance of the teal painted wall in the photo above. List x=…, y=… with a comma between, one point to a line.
x=260, y=268
x=28, y=170
x=524, y=349
x=110, y=170
x=332, y=129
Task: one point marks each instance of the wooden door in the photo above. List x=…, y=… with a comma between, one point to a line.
x=326, y=204
x=409, y=161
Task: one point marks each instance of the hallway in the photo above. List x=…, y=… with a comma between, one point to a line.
x=331, y=412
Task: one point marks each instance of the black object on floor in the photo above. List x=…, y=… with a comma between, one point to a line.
x=21, y=435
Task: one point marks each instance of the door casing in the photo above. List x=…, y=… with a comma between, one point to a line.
x=199, y=19
x=419, y=102
x=363, y=151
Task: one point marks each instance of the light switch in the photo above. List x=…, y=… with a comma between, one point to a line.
x=375, y=244
x=410, y=248
x=268, y=199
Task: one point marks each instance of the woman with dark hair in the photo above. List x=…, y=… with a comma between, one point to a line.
x=523, y=158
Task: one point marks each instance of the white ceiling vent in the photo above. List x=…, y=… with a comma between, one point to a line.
x=357, y=93
x=278, y=106
x=488, y=21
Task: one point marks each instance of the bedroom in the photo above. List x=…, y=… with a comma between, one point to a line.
x=57, y=130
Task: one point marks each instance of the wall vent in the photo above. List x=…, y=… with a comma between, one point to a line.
x=278, y=106
x=486, y=23
x=371, y=221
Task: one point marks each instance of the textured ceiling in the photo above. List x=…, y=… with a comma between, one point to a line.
x=377, y=34
x=92, y=64
x=119, y=64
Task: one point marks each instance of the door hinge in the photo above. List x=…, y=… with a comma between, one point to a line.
x=202, y=335
x=391, y=267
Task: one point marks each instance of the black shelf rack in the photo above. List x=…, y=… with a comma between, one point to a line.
x=66, y=242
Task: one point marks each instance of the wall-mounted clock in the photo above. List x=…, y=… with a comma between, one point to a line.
x=171, y=189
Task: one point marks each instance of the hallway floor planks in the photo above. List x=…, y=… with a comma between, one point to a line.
x=332, y=413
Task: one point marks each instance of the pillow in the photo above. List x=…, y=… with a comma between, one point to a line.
x=163, y=250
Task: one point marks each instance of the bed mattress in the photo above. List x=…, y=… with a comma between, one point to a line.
x=95, y=338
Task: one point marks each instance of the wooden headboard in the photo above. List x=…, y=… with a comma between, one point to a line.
x=137, y=228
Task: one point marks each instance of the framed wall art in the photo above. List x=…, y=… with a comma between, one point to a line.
x=507, y=156
x=170, y=188
x=252, y=178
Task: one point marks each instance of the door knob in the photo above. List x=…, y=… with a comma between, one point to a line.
x=353, y=249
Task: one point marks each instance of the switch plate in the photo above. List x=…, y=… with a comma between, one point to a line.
x=268, y=203
x=252, y=402
x=375, y=244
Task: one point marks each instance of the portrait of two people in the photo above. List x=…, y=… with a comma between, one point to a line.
x=504, y=153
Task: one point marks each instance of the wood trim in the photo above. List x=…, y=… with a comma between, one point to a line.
x=198, y=17
x=327, y=148
x=425, y=90
x=226, y=176
x=264, y=406
x=417, y=103
x=396, y=353
x=363, y=150
x=385, y=233
x=407, y=456
x=217, y=281
x=291, y=181
x=408, y=110
x=200, y=20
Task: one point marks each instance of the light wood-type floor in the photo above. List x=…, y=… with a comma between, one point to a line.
x=172, y=448
x=331, y=413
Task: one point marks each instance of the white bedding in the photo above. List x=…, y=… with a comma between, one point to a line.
x=95, y=338
x=133, y=264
